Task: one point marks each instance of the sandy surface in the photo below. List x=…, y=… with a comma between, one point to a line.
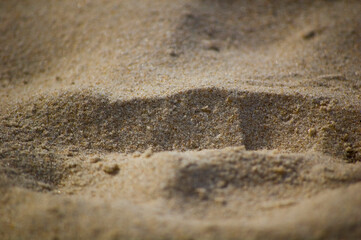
x=179, y=119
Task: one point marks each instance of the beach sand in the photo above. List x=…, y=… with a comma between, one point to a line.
x=182, y=119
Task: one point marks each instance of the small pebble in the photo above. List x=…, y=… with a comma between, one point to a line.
x=312, y=132
x=111, y=168
x=280, y=170
x=136, y=154
x=95, y=160
x=202, y=193
x=206, y=109
x=172, y=53
x=148, y=153
x=229, y=100
x=220, y=200
x=211, y=45
x=309, y=35
x=221, y=184
x=69, y=153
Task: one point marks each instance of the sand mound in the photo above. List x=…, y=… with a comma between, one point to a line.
x=76, y=142
x=180, y=119
x=195, y=119
x=227, y=193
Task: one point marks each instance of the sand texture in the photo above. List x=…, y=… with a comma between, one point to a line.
x=185, y=119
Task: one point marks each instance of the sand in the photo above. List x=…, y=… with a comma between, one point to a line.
x=180, y=119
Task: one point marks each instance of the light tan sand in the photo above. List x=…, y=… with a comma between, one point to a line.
x=180, y=119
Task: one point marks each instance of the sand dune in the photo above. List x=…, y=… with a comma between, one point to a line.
x=180, y=119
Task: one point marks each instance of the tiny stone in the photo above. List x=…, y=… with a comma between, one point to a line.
x=220, y=200
x=202, y=193
x=206, y=109
x=312, y=132
x=345, y=137
x=111, y=168
x=229, y=100
x=148, y=153
x=254, y=169
x=136, y=154
x=350, y=154
x=349, y=149
x=72, y=165
x=309, y=35
x=69, y=153
x=95, y=160
x=211, y=45
x=221, y=184
x=280, y=170
x=219, y=136
x=324, y=109
x=172, y=53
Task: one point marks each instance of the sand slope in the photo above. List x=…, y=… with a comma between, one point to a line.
x=180, y=119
